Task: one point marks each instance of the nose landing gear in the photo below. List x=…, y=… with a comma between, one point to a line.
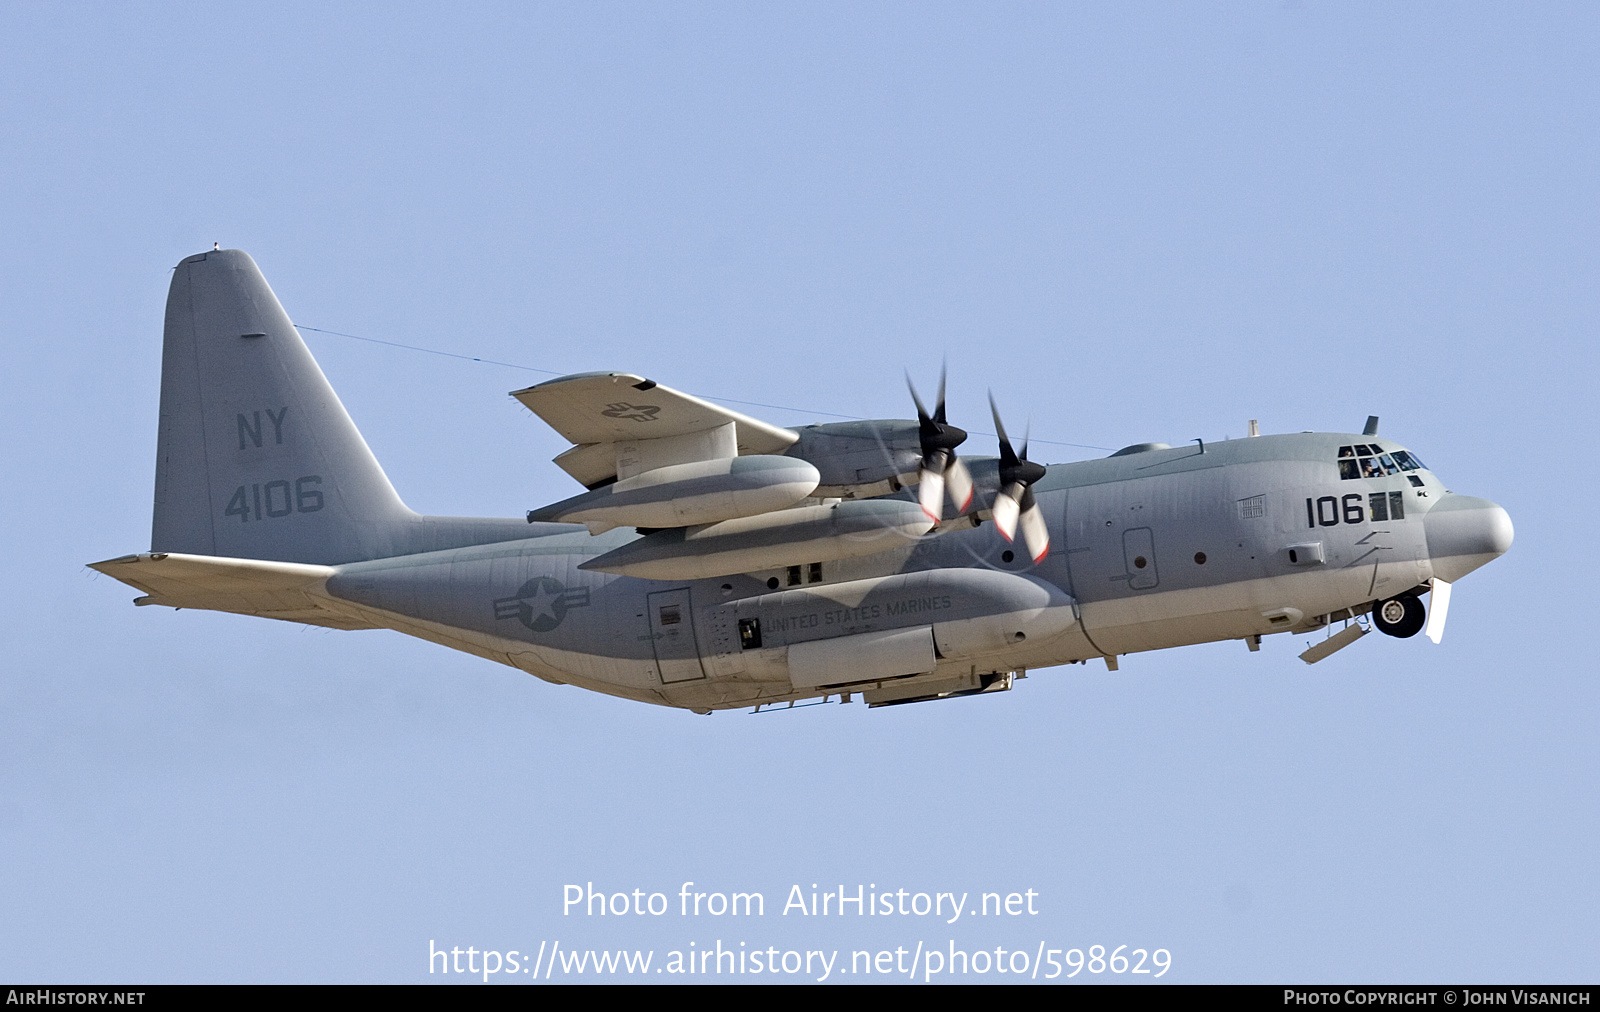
x=1402, y=615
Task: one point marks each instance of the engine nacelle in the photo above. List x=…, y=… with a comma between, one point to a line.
x=859, y=460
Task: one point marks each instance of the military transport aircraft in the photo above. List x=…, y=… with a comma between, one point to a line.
x=716, y=561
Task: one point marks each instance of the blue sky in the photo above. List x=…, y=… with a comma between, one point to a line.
x=1132, y=222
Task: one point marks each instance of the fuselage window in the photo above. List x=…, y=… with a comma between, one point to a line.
x=1387, y=505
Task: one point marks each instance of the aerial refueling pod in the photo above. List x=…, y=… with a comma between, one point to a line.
x=789, y=537
x=685, y=495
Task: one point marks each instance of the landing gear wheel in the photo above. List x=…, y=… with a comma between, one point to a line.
x=1400, y=616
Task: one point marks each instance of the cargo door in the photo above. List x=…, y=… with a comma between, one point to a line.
x=672, y=636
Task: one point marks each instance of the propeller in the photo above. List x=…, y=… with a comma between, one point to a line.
x=1014, y=504
x=941, y=468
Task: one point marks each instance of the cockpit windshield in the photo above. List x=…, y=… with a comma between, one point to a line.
x=1373, y=460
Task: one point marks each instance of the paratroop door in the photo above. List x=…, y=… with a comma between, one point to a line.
x=672, y=636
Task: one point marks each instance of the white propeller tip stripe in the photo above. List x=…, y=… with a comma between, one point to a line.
x=1036, y=533
x=960, y=483
x=1005, y=516
x=931, y=495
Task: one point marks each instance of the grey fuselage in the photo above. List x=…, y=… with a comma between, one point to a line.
x=1153, y=549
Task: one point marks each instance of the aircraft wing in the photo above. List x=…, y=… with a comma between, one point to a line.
x=602, y=412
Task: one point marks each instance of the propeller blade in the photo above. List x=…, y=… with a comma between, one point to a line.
x=1438, y=608
x=930, y=493
x=1015, y=504
x=922, y=412
x=1034, y=531
x=959, y=481
x=1007, y=454
x=940, y=466
x=1007, y=508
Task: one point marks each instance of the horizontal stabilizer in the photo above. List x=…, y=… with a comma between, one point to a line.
x=290, y=591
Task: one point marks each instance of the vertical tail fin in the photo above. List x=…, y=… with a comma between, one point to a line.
x=257, y=459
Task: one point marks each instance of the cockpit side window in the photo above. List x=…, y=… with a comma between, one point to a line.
x=1371, y=460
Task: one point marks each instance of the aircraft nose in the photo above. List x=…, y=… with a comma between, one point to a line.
x=1463, y=533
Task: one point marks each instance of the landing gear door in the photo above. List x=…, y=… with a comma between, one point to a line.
x=672, y=636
